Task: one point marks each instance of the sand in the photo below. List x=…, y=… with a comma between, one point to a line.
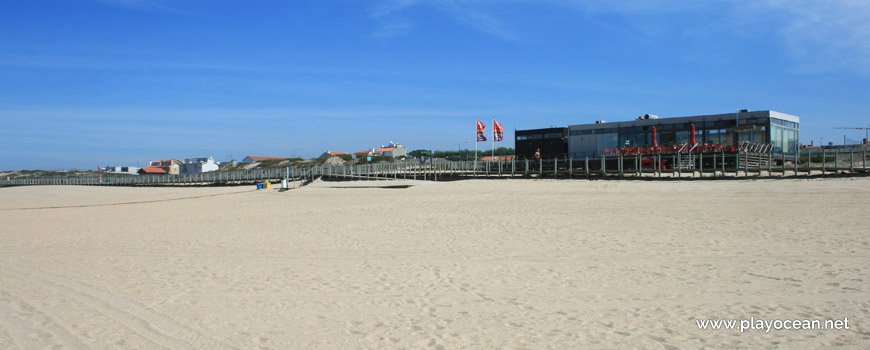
x=470, y=264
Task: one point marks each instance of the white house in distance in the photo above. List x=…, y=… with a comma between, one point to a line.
x=122, y=170
x=394, y=150
x=198, y=165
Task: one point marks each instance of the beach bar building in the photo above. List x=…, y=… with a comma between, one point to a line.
x=780, y=130
x=550, y=142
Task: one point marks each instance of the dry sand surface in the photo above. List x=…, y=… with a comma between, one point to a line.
x=472, y=264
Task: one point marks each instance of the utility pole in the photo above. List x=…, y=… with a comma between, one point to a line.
x=865, y=128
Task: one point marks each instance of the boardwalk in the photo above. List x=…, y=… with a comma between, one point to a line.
x=705, y=165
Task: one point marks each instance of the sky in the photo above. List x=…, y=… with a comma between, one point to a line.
x=87, y=83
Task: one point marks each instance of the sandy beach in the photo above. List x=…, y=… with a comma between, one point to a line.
x=495, y=264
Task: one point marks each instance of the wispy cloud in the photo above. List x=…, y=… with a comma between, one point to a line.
x=147, y=5
x=392, y=29
x=469, y=13
x=823, y=35
x=816, y=35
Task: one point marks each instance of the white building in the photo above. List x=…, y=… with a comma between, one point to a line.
x=198, y=165
x=394, y=150
x=122, y=170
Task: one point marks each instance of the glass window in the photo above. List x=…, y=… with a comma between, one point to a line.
x=776, y=138
x=726, y=137
x=666, y=138
x=607, y=141
x=724, y=123
x=711, y=136
x=681, y=137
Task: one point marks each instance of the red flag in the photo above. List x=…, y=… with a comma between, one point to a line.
x=497, y=131
x=480, y=127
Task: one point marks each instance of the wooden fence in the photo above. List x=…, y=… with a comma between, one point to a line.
x=703, y=165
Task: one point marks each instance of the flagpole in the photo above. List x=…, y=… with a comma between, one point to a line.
x=492, y=150
x=475, y=146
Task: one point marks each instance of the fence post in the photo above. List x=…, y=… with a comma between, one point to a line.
x=737, y=163
x=796, y=160
x=586, y=167
x=852, y=162
x=571, y=168
x=824, y=161
x=637, y=165
x=603, y=167
x=659, y=167
x=746, y=164
x=621, y=174
x=679, y=165
x=770, y=164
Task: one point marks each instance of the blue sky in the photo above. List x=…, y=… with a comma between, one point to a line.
x=119, y=82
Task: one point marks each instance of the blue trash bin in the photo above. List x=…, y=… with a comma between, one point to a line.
x=259, y=185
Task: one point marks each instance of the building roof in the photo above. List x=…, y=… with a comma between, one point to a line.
x=689, y=119
x=336, y=153
x=258, y=158
x=152, y=170
x=385, y=149
x=363, y=152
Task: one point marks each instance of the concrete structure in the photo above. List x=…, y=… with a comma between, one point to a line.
x=171, y=166
x=198, y=165
x=763, y=127
x=231, y=163
x=122, y=169
x=251, y=159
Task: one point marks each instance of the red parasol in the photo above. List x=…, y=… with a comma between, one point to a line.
x=692, y=136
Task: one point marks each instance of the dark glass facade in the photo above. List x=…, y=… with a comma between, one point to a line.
x=553, y=142
x=761, y=127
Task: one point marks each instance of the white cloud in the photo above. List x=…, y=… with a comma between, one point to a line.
x=823, y=35
x=816, y=35
x=392, y=29
x=470, y=13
